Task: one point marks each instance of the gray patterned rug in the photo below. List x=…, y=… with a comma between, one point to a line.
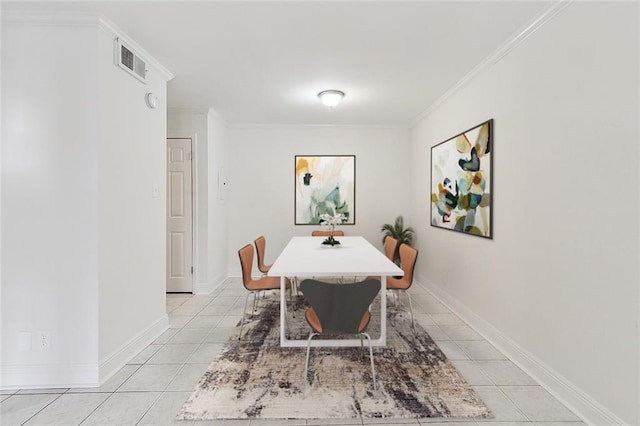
x=256, y=378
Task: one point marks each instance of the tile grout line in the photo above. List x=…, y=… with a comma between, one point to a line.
x=255, y=422
x=40, y=410
x=111, y=393
x=96, y=409
x=151, y=406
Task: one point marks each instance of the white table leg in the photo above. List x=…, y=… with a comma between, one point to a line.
x=383, y=311
x=283, y=309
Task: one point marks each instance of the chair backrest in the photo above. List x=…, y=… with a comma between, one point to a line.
x=340, y=307
x=408, y=256
x=390, y=244
x=327, y=233
x=246, y=262
x=261, y=243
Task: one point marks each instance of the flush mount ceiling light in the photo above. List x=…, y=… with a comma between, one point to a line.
x=331, y=98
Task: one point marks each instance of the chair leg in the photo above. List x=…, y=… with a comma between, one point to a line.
x=413, y=323
x=373, y=369
x=244, y=312
x=291, y=301
x=306, y=363
x=256, y=296
x=294, y=289
x=286, y=324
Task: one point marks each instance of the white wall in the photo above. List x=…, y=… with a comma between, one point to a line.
x=261, y=181
x=557, y=287
x=218, y=217
x=132, y=221
x=193, y=123
x=1, y=135
x=211, y=231
x=49, y=206
x=83, y=238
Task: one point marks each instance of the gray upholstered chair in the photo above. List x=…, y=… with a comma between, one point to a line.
x=339, y=309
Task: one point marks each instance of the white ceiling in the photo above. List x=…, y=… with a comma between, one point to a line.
x=264, y=62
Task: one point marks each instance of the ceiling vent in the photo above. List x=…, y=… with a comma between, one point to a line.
x=130, y=62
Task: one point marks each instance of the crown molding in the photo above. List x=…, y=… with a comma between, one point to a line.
x=49, y=18
x=504, y=49
x=208, y=112
x=115, y=31
x=320, y=126
x=71, y=19
x=185, y=110
x=214, y=115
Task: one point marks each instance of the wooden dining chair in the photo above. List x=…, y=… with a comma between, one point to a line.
x=390, y=245
x=260, y=244
x=255, y=286
x=327, y=233
x=408, y=256
x=339, y=309
x=338, y=233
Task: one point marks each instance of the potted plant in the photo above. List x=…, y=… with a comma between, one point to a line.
x=400, y=233
x=331, y=222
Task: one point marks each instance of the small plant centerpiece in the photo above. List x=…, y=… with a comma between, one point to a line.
x=400, y=233
x=330, y=222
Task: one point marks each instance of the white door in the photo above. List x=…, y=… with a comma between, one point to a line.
x=179, y=216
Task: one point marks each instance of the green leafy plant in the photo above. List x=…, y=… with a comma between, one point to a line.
x=400, y=233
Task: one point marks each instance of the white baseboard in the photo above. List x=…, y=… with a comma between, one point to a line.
x=209, y=287
x=118, y=358
x=49, y=376
x=589, y=410
x=80, y=375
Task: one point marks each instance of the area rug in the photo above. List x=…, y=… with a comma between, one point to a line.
x=256, y=378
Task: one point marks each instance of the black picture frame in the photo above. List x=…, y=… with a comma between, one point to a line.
x=324, y=184
x=462, y=182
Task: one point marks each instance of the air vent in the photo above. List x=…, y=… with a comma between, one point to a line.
x=130, y=62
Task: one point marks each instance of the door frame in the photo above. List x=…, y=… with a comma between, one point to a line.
x=194, y=201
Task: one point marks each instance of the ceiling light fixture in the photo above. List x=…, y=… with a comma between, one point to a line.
x=331, y=98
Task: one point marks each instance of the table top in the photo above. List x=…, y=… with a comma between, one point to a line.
x=306, y=256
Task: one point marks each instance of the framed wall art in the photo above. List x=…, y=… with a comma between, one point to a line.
x=461, y=182
x=324, y=184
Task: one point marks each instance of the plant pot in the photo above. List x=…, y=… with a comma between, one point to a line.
x=330, y=241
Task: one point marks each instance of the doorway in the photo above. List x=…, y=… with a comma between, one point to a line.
x=179, y=215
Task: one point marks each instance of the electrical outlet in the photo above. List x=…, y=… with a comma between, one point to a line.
x=44, y=340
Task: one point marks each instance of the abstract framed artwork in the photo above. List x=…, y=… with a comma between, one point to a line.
x=461, y=182
x=324, y=184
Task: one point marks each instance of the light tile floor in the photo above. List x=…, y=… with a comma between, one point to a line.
x=152, y=387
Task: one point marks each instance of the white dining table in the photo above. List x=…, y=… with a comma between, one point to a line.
x=306, y=257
